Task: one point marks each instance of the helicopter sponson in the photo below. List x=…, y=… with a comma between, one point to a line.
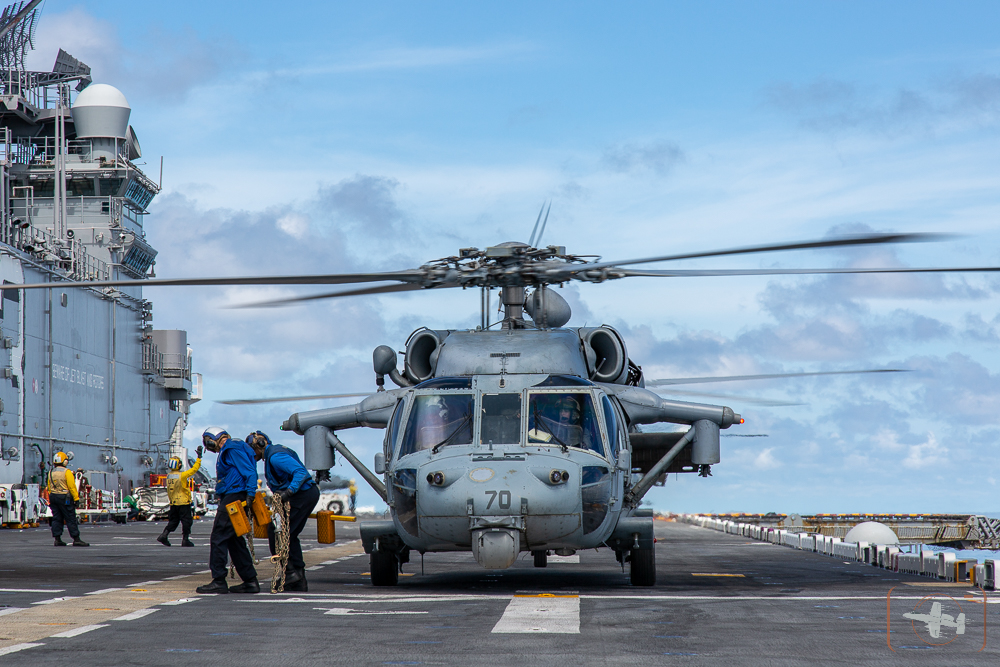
x=513, y=441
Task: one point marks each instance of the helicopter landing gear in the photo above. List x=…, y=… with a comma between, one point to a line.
x=384, y=568
x=541, y=558
x=643, y=567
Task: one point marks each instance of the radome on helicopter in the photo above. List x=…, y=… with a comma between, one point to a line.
x=520, y=435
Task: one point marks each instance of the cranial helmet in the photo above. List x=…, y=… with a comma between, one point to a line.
x=174, y=463
x=258, y=440
x=59, y=458
x=212, y=437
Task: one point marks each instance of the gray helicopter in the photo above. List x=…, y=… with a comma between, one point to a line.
x=521, y=435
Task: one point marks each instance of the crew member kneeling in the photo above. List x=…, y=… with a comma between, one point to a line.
x=236, y=480
x=289, y=480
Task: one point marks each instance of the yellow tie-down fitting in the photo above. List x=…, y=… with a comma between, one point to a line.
x=326, y=527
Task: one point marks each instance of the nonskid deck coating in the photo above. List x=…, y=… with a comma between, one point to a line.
x=789, y=607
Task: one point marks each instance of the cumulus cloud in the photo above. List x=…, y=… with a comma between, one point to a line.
x=161, y=65
x=832, y=106
x=658, y=157
x=925, y=454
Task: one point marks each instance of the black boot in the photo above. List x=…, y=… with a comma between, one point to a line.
x=248, y=586
x=217, y=586
x=299, y=584
x=185, y=542
x=293, y=575
x=59, y=542
x=162, y=539
x=77, y=542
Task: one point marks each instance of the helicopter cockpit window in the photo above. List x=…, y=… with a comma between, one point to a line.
x=438, y=420
x=611, y=423
x=393, y=431
x=564, y=419
x=501, y=419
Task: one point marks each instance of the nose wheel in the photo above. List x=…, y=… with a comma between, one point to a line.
x=385, y=568
x=642, y=570
x=541, y=558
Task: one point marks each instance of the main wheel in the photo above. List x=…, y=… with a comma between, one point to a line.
x=643, y=569
x=336, y=507
x=541, y=558
x=385, y=568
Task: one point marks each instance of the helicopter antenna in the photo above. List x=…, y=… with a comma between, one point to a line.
x=531, y=241
x=542, y=230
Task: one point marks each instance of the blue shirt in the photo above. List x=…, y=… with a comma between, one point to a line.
x=284, y=470
x=236, y=469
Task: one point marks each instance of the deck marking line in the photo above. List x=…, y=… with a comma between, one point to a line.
x=11, y=610
x=104, y=590
x=146, y=583
x=715, y=574
x=564, y=559
x=340, y=611
x=315, y=567
x=54, y=600
x=135, y=615
x=179, y=576
x=79, y=631
x=534, y=614
x=19, y=647
x=174, y=603
x=32, y=590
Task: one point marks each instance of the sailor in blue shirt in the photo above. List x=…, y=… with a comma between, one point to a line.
x=289, y=480
x=236, y=480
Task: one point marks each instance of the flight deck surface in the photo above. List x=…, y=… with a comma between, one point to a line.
x=719, y=598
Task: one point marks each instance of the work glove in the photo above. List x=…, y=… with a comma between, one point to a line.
x=198, y=450
x=250, y=497
x=77, y=504
x=285, y=494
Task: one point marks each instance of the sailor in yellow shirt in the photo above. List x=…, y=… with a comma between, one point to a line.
x=179, y=491
x=63, y=497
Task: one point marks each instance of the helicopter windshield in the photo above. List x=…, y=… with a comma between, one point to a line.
x=437, y=420
x=501, y=419
x=565, y=419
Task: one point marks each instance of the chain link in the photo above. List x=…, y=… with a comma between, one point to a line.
x=279, y=512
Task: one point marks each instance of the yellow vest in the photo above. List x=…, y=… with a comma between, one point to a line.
x=179, y=485
x=62, y=482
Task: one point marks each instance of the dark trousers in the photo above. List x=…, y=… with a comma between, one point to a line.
x=302, y=505
x=180, y=514
x=63, y=511
x=225, y=544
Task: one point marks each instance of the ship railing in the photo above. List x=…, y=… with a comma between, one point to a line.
x=152, y=359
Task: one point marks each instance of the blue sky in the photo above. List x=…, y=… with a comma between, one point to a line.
x=347, y=137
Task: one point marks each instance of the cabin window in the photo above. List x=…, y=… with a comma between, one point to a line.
x=564, y=419
x=501, y=419
x=393, y=431
x=611, y=425
x=438, y=420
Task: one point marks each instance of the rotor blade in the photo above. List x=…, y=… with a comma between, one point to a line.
x=544, y=222
x=770, y=376
x=531, y=241
x=767, y=402
x=380, y=289
x=284, y=399
x=410, y=276
x=860, y=239
x=709, y=273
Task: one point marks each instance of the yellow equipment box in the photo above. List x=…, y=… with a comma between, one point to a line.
x=236, y=514
x=261, y=514
x=326, y=529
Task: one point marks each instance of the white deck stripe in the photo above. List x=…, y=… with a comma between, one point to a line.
x=146, y=583
x=173, y=603
x=79, y=631
x=540, y=615
x=104, y=590
x=11, y=610
x=32, y=590
x=135, y=615
x=564, y=559
x=54, y=600
x=18, y=647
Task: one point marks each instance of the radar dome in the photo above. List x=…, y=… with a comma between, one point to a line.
x=872, y=532
x=101, y=110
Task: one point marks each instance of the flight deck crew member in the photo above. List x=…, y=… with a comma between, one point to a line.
x=289, y=480
x=236, y=480
x=179, y=491
x=63, y=498
x=353, y=490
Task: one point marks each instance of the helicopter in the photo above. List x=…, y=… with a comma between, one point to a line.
x=520, y=435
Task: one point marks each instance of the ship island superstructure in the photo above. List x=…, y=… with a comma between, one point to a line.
x=82, y=370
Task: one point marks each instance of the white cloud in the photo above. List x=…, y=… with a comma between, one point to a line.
x=926, y=454
x=765, y=460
